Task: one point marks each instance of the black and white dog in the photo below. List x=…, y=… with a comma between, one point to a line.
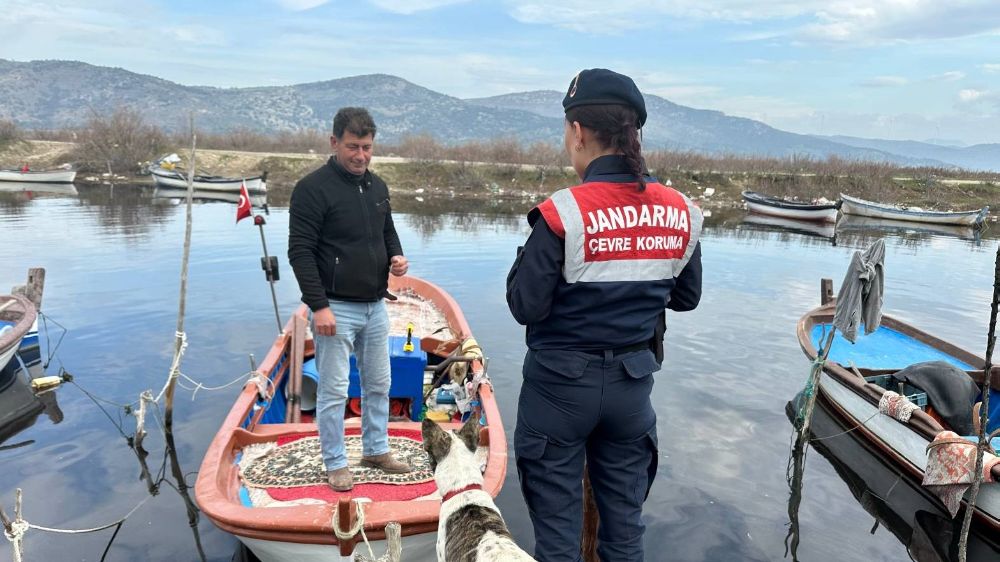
x=470, y=528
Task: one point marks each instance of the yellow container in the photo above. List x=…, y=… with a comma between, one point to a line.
x=438, y=416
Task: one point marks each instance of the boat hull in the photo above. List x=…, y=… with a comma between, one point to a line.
x=855, y=400
x=281, y=551
x=224, y=185
x=47, y=176
x=854, y=206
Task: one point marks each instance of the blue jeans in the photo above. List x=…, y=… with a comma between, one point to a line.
x=362, y=328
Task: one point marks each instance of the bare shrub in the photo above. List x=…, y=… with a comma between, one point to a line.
x=121, y=141
x=249, y=140
x=9, y=132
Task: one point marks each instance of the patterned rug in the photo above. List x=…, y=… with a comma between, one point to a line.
x=296, y=461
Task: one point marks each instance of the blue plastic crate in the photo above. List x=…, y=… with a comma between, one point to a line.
x=407, y=374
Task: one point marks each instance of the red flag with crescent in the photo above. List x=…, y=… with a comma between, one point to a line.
x=243, y=209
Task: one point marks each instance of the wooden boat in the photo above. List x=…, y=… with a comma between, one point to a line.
x=177, y=179
x=854, y=206
x=17, y=319
x=897, y=502
x=304, y=530
x=856, y=376
x=786, y=208
x=39, y=176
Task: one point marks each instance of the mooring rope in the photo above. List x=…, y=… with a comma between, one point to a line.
x=394, y=545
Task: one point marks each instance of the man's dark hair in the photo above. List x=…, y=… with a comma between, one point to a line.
x=356, y=120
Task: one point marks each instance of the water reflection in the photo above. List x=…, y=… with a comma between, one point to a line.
x=894, y=500
x=20, y=405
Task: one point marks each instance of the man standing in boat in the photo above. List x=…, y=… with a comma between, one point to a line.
x=603, y=261
x=342, y=246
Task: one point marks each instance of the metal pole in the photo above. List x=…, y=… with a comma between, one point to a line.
x=270, y=278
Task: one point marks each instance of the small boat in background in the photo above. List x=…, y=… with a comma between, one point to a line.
x=854, y=206
x=166, y=174
x=62, y=175
x=786, y=208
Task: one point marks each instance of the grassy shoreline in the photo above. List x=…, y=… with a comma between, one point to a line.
x=426, y=178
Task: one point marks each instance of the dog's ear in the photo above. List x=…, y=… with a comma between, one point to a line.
x=469, y=434
x=436, y=441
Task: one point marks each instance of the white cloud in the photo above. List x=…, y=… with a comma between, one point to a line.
x=950, y=76
x=837, y=21
x=300, y=5
x=991, y=67
x=413, y=6
x=970, y=95
x=885, y=82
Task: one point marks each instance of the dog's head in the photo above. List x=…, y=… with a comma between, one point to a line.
x=441, y=444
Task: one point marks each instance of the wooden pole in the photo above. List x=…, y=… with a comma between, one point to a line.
x=293, y=410
x=984, y=438
x=179, y=337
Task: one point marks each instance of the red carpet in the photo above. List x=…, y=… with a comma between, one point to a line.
x=377, y=492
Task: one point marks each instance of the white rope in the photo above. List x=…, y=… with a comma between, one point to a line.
x=19, y=527
x=200, y=386
x=175, y=367
x=264, y=385
x=393, y=532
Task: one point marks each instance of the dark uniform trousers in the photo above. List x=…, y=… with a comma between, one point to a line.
x=576, y=404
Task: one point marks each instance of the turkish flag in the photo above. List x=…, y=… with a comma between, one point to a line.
x=243, y=209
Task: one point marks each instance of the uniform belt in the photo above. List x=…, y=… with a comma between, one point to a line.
x=619, y=350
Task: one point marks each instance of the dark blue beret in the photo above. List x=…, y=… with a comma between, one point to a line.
x=601, y=86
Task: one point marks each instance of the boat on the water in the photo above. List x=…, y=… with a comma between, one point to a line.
x=59, y=175
x=790, y=209
x=262, y=477
x=17, y=319
x=896, y=502
x=177, y=179
x=856, y=377
x=855, y=206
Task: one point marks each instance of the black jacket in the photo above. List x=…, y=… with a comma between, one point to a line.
x=341, y=236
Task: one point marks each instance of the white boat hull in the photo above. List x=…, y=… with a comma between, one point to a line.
x=852, y=206
x=50, y=176
x=253, y=184
x=898, y=436
x=825, y=215
x=277, y=551
x=38, y=187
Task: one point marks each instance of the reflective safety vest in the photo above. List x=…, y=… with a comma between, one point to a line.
x=613, y=232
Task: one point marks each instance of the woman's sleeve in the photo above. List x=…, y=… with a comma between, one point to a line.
x=537, y=270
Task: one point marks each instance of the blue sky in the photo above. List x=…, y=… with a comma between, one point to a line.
x=899, y=69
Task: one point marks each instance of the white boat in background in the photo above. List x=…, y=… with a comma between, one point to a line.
x=177, y=179
x=39, y=176
x=854, y=206
x=786, y=208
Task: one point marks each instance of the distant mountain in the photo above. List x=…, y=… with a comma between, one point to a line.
x=57, y=94
x=975, y=157
x=678, y=127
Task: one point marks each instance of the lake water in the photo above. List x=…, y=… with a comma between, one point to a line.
x=113, y=259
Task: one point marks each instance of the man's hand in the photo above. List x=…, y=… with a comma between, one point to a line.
x=399, y=266
x=326, y=324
